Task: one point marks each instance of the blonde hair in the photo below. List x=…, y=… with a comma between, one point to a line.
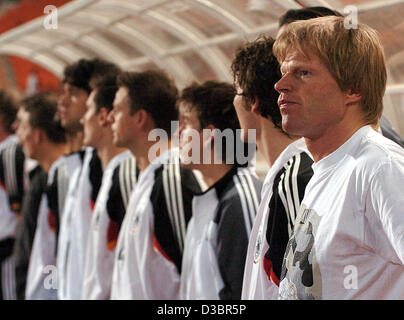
x=353, y=56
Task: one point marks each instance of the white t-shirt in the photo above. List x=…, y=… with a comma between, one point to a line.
x=256, y=285
x=348, y=240
x=138, y=265
x=217, y=237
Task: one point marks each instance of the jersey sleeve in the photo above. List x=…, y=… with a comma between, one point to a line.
x=95, y=176
x=52, y=194
x=385, y=201
x=124, y=179
x=12, y=161
x=27, y=227
x=232, y=243
x=288, y=192
x=171, y=198
x=234, y=219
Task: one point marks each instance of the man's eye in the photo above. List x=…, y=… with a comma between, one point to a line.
x=304, y=72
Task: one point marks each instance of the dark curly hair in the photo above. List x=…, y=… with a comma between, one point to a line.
x=87, y=74
x=153, y=91
x=256, y=70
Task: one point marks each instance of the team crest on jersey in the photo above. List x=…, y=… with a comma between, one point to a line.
x=258, y=247
x=136, y=223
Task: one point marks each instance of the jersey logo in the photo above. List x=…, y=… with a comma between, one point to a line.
x=258, y=247
x=136, y=223
x=97, y=220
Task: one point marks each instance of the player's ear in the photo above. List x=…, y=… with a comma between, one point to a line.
x=103, y=117
x=352, y=97
x=255, y=106
x=141, y=118
x=38, y=136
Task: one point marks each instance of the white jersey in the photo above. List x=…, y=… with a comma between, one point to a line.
x=217, y=237
x=348, y=241
x=42, y=275
x=72, y=172
x=108, y=213
x=76, y=224
x=149, y=251
x=258, y=283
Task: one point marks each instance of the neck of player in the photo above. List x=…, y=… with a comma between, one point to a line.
x=271, y=141
x=331, y=139
x=212, y=173
x=75, y=140
x=53, y=152
x=148, y=151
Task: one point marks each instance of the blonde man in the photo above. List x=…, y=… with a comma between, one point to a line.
x=348, y=238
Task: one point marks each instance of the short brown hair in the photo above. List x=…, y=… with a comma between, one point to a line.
x=354, y=57
x=42, y=108
x=155, y=92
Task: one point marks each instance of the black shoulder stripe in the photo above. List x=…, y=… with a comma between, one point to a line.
x=13, y=159
x=173, y=197
x=248, y=197
x=95, y=175
x=292, y=185
x=128, y=174
x=284, y=192
x=10, y=179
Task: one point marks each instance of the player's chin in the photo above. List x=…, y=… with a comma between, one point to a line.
x=291, y=125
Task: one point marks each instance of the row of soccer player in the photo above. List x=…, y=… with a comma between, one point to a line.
x=115, y=209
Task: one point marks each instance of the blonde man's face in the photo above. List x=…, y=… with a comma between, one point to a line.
x=310, y=100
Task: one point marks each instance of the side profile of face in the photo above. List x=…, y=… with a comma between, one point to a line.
x=123, y=126
x=27, y=135
x=91, y=122
x=310, y=99
x=247, y=119
x=190, y=137
x=72, y=106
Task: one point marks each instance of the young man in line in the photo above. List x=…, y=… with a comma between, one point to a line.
x=385, y=127
x=12, y=161
x=71, y=107
x=84, y=185
x=223, y=215
x=255, y=71
x=118, y=180
x=150, y=244
x=43, y=139
x=347, y=241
